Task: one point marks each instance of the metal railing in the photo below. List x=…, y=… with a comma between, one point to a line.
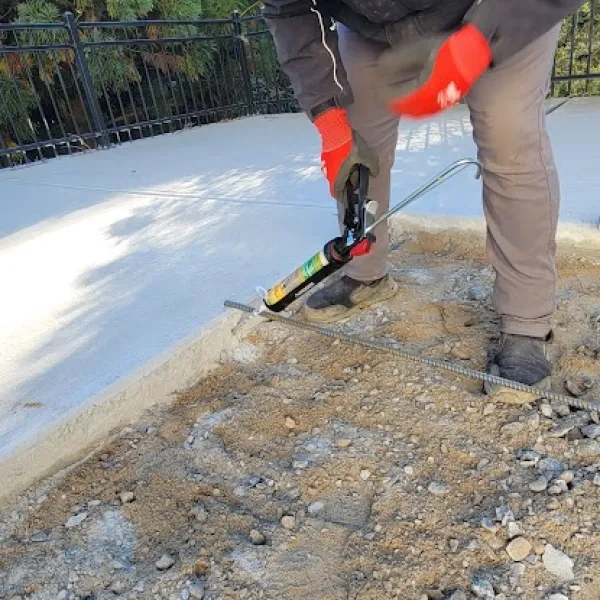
x=576, y=69
x=71, y=86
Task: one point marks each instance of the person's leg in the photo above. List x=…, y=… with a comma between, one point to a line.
x=521, y=200
x=369, y=116
x=365, y=278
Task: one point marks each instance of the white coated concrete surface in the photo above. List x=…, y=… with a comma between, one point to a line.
x=110, y=259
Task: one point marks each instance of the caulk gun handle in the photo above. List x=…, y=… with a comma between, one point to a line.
x=349, y=206
x=363, y=182
x=358, y=182
x=357, y=188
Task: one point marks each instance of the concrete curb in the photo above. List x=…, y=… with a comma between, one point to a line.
x=82, y=430
x=571, y=236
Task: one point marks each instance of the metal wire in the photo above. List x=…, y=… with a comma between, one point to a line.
x=580, y=403
x=454, y=169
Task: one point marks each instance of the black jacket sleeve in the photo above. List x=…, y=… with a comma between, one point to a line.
x=510, y=25
x=307, y=50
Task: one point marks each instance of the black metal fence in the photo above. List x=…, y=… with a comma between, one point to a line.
x=71, y=86
x=576, y=70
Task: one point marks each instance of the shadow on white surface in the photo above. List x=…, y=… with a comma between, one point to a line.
x=110, y=258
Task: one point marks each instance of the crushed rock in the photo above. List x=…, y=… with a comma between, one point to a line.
x=285, y=431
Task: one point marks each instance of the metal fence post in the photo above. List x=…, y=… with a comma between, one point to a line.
x=241, y=52
x=86, y=80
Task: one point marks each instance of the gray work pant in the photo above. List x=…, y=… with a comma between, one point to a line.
x=520, y=182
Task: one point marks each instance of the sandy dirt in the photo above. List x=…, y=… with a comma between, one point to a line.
x=306, y=468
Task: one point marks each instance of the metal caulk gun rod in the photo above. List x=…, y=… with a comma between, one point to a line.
x=440, y=178
x=409, y=354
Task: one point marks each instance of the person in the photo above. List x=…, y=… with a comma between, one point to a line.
x=357, y=67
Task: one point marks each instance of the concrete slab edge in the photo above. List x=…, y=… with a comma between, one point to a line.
x=154, y=384
x=571, y=235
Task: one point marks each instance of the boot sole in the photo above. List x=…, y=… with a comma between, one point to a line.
x=506, y=395
x=317, y=316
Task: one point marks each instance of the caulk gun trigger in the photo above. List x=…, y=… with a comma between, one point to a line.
x=362, y=248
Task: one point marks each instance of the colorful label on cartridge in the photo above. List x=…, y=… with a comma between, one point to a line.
x=298, y=277
x=313, y=265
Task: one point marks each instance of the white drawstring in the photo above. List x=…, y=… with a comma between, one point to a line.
x=315, y=10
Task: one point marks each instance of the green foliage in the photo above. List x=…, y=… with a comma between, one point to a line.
x=87, y=10
x=128, y=10
x=194, y=59
x=198, y=59
x=110, y=66
x=37, y=11
x=40, y=11
x=575, y=32
x=222, y=9
x=43, y=11
x=179, y=9
x=17, y=102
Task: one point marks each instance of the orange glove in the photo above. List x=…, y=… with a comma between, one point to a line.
x=447, y=68
x=342, y=150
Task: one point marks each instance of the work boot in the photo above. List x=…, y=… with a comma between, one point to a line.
x=522, y=359
x=345, y=297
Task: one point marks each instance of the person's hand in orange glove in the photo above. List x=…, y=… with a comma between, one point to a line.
x=342, y=151
x=425, y=77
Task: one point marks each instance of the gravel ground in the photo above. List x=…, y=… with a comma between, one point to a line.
x=305, y=468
